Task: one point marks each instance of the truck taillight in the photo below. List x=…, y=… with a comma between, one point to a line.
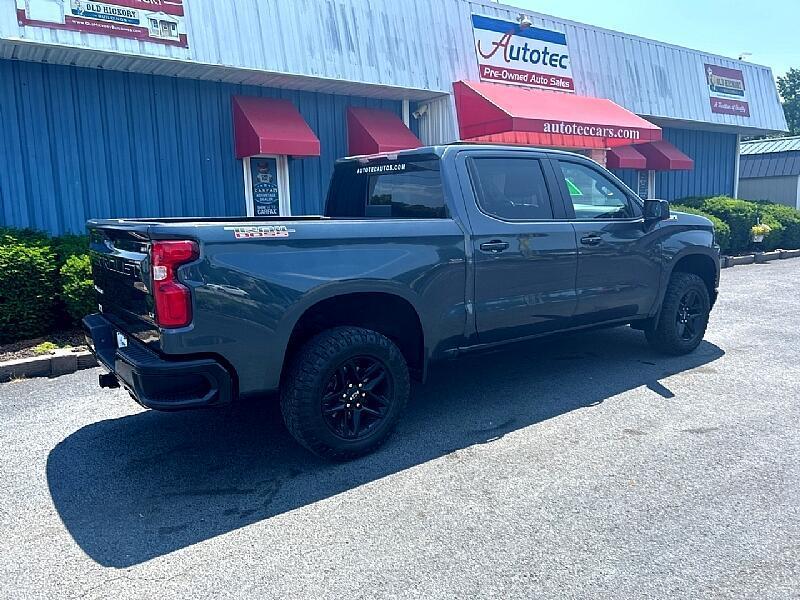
x=173, y=301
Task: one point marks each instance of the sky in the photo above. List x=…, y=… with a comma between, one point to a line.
x=768, y=29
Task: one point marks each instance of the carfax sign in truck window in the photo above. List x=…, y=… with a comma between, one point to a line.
x=727, y=91
x=158, y=21
x=522, y=55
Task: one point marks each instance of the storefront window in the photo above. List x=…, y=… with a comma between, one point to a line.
x=267, y=186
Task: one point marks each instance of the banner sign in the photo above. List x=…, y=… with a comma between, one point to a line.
x=264, y=179
x=157, y=21
x=510, y=53
x=727, y=91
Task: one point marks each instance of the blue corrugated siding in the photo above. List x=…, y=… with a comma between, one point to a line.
x=714, y=157
x=81, y=143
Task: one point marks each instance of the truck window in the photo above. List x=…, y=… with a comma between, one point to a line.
x=512, y=189
x=594, y=196
x=398, y=190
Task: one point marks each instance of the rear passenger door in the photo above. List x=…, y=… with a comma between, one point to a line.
x=525, y=255
x=619, y=257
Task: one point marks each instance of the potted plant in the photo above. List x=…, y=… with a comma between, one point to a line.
x=759, y=231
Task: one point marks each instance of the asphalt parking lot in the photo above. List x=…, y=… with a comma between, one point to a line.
x=586, y=467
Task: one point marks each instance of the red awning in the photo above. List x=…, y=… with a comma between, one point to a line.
x=372, y=131
x=491, y=112
x=625, y=157
x=270, y=126
x=663, y=156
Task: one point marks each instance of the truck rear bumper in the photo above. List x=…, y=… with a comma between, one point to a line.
x=156, y=382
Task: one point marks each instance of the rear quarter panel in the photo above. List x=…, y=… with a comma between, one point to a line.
x=249, y=293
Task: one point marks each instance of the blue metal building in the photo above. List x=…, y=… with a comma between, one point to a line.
x=140, y=121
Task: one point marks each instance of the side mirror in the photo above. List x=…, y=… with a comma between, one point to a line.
x=656, y=210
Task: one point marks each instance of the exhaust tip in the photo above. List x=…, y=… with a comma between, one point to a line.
x=108, y=380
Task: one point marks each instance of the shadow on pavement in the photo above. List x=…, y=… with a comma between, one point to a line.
x=137, y=487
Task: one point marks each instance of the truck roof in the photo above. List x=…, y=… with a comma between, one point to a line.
x=441, y=149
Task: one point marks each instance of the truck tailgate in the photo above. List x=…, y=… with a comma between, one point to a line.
x=121, y=271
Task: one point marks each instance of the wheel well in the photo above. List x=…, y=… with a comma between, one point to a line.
x=703, y=266
x=387, y=314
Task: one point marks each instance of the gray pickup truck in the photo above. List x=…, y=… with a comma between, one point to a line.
x=422, y=255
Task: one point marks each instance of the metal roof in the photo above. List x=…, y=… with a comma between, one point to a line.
x=412, y=49
x=775, y=164
x=786, y=144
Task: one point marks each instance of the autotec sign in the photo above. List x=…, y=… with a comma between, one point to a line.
x=528, y=56
x=727, y=91
x=158, y=21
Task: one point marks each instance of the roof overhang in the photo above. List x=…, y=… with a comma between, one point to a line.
x=744, y=130
x=113, y=60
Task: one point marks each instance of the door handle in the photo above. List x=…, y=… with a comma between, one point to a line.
x=494, y=246
x=591, y=240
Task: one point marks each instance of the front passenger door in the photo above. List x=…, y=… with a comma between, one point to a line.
x=619, y=256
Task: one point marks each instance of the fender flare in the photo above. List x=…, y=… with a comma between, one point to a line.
x=709, y=251
x=335, y=289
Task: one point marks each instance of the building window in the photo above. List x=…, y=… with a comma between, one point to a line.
x=267, y=186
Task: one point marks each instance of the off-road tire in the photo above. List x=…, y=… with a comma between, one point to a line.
x=310, y=371
x=663, y=335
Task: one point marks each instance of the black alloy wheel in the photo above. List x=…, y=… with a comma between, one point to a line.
x=682, y=321
x=690, y=315
x=357, y=397
x=344, y=392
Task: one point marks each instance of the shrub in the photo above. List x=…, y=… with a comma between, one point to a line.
x=740, y=216
x=27, y=289
x=26, y=237
x=788, y=217
x=692, y=201
x=721, y=229
x=77, y=287
x=44, y=348
x=69, y=245
x=774, y=238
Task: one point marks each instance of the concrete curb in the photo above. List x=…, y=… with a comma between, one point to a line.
x=61, y=362
x=763, y=257
x=747, y=259
x=759, y=257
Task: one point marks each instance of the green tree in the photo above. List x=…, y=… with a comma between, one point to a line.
x=789, y=88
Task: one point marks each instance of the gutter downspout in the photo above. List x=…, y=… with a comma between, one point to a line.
x=797, y=197
x=736, y=165
x=406, y=113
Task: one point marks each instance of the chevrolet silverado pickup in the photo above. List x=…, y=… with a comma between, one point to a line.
x=421, y=255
